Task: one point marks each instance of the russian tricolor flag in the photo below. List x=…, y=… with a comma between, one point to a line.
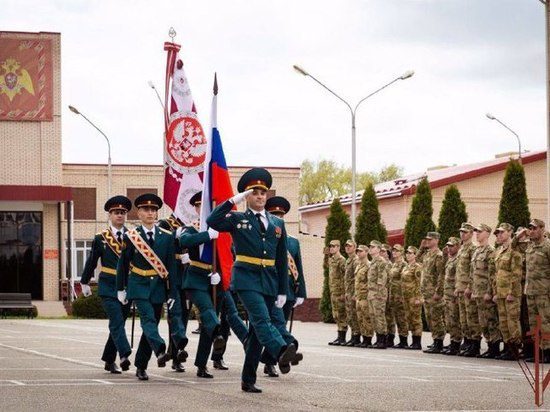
x=216, y=190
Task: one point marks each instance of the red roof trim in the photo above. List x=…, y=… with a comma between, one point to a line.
x=35, y=193
x=30, y=32
x=161, y=166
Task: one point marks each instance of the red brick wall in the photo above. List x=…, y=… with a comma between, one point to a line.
x=309, y=311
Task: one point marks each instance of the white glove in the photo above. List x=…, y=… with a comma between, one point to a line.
x=213, y=233
x=86, y=290
x=299, y=301
x=281, y=300
x=214, y=278
x=178, y=231
x=170, y=303
x=238, y=198
x=185, y=258
x=121, y=295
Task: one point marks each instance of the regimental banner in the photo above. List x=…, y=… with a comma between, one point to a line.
x=26, y=78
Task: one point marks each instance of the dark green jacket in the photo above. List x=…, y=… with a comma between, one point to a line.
x=296, y=289
x=180, y=278
x=248, y=240
x=195, y=277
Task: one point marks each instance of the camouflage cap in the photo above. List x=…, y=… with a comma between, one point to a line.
x=350, y=242
x=386, y=247
x=482, y=227
x=453, y=241
x=375, y=243
x=504, y=227
x=398, y=247
x=466, y=227
x=412, y=249
x=364, y=248
x=432, y=235
x=518, y=230
x=334, y=242
x=536, y=223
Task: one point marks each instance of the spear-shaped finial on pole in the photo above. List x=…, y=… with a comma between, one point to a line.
x=215, y=84
x=172, y=33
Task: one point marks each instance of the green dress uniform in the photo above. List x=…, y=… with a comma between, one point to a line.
x=296, y=287
x=260, y=271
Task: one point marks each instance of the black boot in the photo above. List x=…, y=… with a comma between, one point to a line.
x=508, y=353
x=454, y=348
x=445, y=349
x=390, y=340
x=528, y=347
x=367, y=342
x=356, y=340
x=340, y=340
x=202, y=372
x=416, y=343
x=492, y=352
x=271, y=371
x=380, y=342
x=402, y=343
x=473, y=349
x=465, y=346
x=437, y=347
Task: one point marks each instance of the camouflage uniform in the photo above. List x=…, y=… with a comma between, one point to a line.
x=452, y=316
x=431, y=282
x=469, y=318
x=410, y=285
x=396, y=302
x=349, y=283
x=377, y=278
x=507, y=281
x=336, y=273
x=481, y=285
x=361, y=295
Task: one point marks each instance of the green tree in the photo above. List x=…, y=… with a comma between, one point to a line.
x=368, y=225
x=514, y=204
x=420, y=220
x=338, y=226
x=452, y=215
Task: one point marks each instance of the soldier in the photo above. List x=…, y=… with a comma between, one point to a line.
x=412, y=298
x=396, y=304
x=507, y=292
x=482, y=292
x=336, y=275
x=146, y=268
x=361, y=296
x=431, y=287
x=377, y=278
x=452, y=317
x=469, y=318
x=386, y=254
x=349, y=286
x=537, y=284
x=107, y=246
x=260, y=271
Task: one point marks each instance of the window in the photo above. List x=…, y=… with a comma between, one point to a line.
x=84, y=203
x=82, y=250
x=132, y=194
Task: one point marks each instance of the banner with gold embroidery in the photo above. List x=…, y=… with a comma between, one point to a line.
x=26, y=77
x=150, y=256
x=112, y=242
x=292, y=269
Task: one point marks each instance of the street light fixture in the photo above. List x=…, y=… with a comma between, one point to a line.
x=109, y=176
x=491, y=117
x=353, y=111
x=152, y=86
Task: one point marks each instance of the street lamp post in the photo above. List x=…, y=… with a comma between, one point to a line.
x=491, y=117
x=547, y=32
x=152, y=86
x=353, y=112
x=109, y=176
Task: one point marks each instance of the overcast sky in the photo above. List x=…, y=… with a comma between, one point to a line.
x=470, y=57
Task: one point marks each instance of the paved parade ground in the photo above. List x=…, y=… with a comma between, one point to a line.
x=55, y=365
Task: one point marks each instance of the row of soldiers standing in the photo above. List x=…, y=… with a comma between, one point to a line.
x=466, y=290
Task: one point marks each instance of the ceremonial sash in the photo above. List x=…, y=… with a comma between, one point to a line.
x=150, y=256
x=173, y=222
x=292, y=269
x=112, y=242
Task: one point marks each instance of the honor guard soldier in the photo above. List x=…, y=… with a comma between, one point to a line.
x=260, y=271
x=145, y=270
x=107, y=246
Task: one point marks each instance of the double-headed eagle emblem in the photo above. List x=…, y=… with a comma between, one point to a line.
x=14, y=79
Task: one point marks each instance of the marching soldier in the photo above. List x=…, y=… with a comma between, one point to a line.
x=349, y=285
x=412, y=298
x=260, y=271
x=452, y=316
x=396, y=302
x=146, y=266
x=361, y=296
x=431, y=286
x=377, y=278
x=507, y=293
x=468, y=311
x=107, y=246
x=336, y=275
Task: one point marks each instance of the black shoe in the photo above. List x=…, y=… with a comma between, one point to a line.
x=473, y=349
x=287, y=356
x=250, y=387
x=111, y=367
x=271, y=371
x=437, y=347
x=389, y=341
x=178, y=367
x=142, y=374
x=340, y=340
x=220, y=364
x=197, y=331
x=380, y=342
x=162, y=359
x=492, y=351
x=182, y=355
x=218, y=345
x=335, y=342
x=416, y=343
x=367, y=342
x=202, y=372
x=454, y=348
x=124, y=364
x=297, y=359
x=402, y=343
x=465, y=346
x=349, y=342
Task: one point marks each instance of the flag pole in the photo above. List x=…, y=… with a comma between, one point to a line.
x=214, y=242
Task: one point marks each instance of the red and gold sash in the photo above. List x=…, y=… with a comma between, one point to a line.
x=292, y=269
x=112, y=242
x=173, y=222
x=150, y=256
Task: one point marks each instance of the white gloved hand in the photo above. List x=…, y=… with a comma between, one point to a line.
x=215, y=278
x=213, y=233
x=121, y=295
x=170, y=303
x=185, y=258
x=86, y=290
x=281, y=300
x=179, y=230
x=238, y=198
x=299, y=301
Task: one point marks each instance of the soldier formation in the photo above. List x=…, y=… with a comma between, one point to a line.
x=467, y=290
x=159, y=265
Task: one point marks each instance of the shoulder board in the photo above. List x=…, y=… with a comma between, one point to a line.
x=165, y=231
x=98, y=233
